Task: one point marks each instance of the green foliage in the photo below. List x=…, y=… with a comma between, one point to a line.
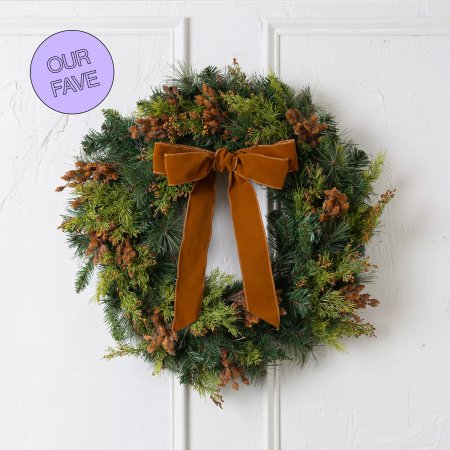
x=280, y=94
x=166, y=296
x=256, y=117
x=113, y=142
x=84, y=275
x=128, y=230
x=104, y=205
x=157, y=107
x=215, y=313
x=250, y=355
x=116, y=321
x=166, y=195
x=123, y=350
x=164, y=234
x=206, y=383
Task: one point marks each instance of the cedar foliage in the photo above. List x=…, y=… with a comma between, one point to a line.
x=125, y=224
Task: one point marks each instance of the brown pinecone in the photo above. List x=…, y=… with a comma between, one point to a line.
x=125, y=253
x=334, y=205
x=211, y=114
x=352, y=293
x=101, y=241
x=90, y=171
x=152, y=128
x=308, y=130
x=98, y=244
x=163, y=337
x=172, y=94
x=239, y=303
x=231, y=372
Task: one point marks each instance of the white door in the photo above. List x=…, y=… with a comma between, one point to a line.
x=383, y=69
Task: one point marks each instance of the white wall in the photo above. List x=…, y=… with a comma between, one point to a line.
x=383, y=68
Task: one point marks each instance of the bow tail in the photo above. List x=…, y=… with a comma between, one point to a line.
x=194, y=252
x=253, y=251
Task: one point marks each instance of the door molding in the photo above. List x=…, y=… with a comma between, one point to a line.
x=176, y=28
x=275, y=28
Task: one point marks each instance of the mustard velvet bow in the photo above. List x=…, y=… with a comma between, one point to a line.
x=264, y=164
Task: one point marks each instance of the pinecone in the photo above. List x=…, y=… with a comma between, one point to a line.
x=99, y=244
x=352, y=293
x=308, y=130
x=164, y=337
x=152, y=128
x=125, y=253
x=93, y=171
x=334, y=205
x=172, y=94
x=231, y=372
x=211, y=115
x=239, y=303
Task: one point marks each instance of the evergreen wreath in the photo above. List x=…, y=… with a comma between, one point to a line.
x=125, y=224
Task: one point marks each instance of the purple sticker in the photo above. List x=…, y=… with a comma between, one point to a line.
x=72, y=72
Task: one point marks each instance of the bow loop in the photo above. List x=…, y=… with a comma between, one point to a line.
x=265, y=170
x=187, y=167
x=264, y=164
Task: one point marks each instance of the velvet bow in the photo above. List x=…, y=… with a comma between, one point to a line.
x=263, y=164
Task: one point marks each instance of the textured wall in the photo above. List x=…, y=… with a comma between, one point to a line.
x=383, y=69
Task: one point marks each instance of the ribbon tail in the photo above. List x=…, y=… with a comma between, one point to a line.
x=194, y=252
x=259, y=287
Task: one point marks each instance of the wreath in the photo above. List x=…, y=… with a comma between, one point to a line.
x=143, y=188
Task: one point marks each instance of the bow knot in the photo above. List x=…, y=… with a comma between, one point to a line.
x=224, y=161
x=263, y=164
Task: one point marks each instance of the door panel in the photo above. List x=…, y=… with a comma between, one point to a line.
x=382, y=69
